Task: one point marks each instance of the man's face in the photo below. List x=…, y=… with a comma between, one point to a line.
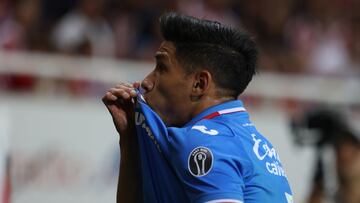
x=168, y=87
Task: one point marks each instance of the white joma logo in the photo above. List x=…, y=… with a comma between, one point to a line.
x=204, y=129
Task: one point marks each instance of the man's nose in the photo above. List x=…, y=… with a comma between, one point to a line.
x=147, y=85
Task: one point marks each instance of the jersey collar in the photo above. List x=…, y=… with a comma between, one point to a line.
x=223, y=108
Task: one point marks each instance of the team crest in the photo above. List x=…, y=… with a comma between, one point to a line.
x=200, y=161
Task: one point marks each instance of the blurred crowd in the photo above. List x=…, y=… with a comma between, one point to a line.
x=296, y=36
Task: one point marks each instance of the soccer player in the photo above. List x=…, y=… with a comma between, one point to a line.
x=184, y=137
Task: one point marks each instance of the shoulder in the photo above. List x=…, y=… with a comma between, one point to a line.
x=216, y=134
x=211, y=127
x=209, y=131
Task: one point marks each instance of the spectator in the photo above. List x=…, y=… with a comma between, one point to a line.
x=319, y=36
x=143, y=31
x=85, y=31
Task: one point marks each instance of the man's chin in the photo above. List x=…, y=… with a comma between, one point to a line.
x=156, y=110
x=148, y=102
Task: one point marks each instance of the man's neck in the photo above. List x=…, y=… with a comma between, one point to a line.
x=208, y=102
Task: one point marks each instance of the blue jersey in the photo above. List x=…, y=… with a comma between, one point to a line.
x=218, y=156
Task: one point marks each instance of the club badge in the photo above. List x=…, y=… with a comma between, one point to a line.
x=200, y=161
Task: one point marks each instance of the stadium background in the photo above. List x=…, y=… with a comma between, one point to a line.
x=57, y=142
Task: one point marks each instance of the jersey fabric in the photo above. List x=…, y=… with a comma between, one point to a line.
x=218, y=156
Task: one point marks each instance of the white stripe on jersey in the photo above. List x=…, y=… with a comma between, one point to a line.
x=224, y=200
x=232, y=110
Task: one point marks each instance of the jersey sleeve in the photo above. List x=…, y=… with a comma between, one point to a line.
x=208, y=159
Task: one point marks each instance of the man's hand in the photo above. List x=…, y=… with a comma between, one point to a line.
x=119, y=102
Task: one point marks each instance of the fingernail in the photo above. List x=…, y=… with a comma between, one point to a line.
x=125, y=95
x=133, y=92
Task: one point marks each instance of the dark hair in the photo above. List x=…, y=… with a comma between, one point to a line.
x=229, y=54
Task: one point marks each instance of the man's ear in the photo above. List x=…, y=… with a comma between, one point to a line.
x=201, y=84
